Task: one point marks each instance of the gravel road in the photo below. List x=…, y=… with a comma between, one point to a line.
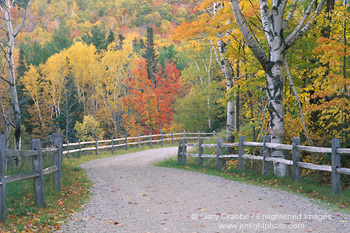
x=131, y=195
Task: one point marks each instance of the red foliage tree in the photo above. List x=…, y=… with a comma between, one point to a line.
x=151, y=105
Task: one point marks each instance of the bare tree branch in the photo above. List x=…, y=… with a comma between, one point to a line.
x=290, y=14
x=266, y=18
x=19, y=27
x=7, y=119
x=298, y=32
x=5, y=80
x=247, y=34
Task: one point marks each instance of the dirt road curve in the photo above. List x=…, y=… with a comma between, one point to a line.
x=130, y=195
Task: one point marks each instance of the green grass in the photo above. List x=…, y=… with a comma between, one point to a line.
x=307, y=188
x=22, y=214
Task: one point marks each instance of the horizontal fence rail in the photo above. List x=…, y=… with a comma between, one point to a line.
x=114, y=143
x=266, y=145
x=36, y=153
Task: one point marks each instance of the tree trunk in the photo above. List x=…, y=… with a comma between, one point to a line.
x=275, y=106
x=274, y=24
x=6, y=7
x=231, y=126
x=227, y=70
x=12, y=77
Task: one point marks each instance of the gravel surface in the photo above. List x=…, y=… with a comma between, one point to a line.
x=130, y=195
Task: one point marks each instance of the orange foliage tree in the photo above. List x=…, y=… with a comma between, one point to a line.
x=151, y=104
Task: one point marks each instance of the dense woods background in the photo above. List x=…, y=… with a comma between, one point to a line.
x=106, y=68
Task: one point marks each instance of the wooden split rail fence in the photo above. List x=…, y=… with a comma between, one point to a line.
x=334, y=168
x=126, y=141
x=36, y=153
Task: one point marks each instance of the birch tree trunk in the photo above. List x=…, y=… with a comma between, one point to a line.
x=11, y=34
x=274, y=24
x=227, y=70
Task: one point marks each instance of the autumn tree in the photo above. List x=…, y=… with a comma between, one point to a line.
x=199, y=108
x=7, y=8
x=149, y=103
x=214, y=27
x=275, y=21
x=40, y=114
x=89, y=129
x=114, y=68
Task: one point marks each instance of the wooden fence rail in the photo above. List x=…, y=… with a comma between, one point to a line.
x=126, y=141
x=38, y=173
x=296, y=148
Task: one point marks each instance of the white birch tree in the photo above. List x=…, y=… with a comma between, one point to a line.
x=227, y=70
x=274, y=20
x=6, y=6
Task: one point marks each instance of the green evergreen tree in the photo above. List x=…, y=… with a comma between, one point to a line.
x=71, y=111
x=110, y=37
x=23, y=100
x=142, y=44
x=61, y=39
x=136, y=46
x=121, y=41
x=150, y=55
x=97, y=37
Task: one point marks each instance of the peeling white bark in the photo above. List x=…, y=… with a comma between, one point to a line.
x=227, y=70
x=273, y=25
x=11, y=35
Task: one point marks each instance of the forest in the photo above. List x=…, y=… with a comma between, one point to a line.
x=108, y=68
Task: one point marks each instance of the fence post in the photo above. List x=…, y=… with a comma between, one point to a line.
x=214, y=133
x=296, y=159
x=184, y=151
x=138, y=141
x=184, y=134
x=57, y=161
x=335, y=165
x=240, y=153
x=161, y=139
x=199, y=135
x=126, y=142
x=112, y=145
x=150, y=140
x=172, y=138
x=179, y=152
x=2, y=178
x=266, y=154
x=200, y=152
x=38, y=168
x=79, y=154
x=68, y=154
x=96, y=146
x=218, y=154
